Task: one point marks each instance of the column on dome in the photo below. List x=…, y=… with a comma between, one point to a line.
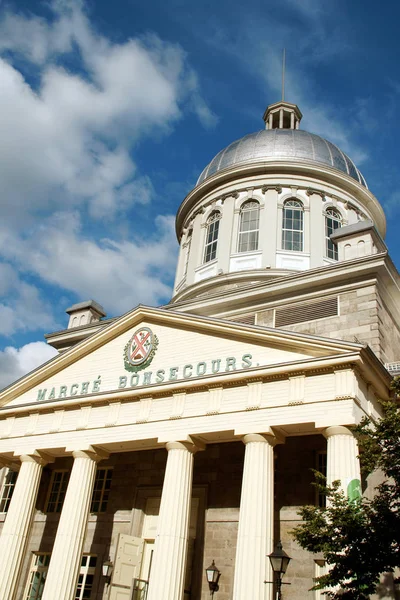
x=17, y=525
x=68, y=546
x=317, y=229
x=281, y=118
x=196, y=249
x=256, y=520
x=180, y=268
x=226, y=244
x=269, y=226
x=342, y=460
x=170, y=548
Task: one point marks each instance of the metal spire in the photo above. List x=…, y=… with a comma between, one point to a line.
x=283, y=74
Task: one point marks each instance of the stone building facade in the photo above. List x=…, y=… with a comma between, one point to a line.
x=168, y=438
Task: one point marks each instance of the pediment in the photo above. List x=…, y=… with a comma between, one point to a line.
x=155, y=347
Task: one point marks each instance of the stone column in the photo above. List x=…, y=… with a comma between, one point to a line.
x=256, y=520
x=17, y=524
x=342, y=460
x=66, y=556
x=170, y=549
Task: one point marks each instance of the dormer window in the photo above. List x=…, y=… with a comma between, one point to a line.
x=293, y=225
x=333, y=220
x=249, y=226
x=210, y=250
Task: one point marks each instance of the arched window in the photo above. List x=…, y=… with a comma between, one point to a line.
x=210, y=250
x=333, y=220
x=293, y=225
x=249, y=226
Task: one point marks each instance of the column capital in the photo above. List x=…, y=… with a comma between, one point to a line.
x=190, y=446
x=38, y=457
x=92, y=453
x=336, y=430
x=266, y=438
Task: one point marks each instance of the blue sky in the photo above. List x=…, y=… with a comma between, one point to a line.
x=109, y=111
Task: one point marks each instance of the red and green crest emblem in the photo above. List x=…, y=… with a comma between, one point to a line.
x=140, y=350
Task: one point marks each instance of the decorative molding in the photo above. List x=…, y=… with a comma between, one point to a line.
x=57, y=421
x=296, y=389
x=310, y=191
x=214, y=400
x=113, y=414
x=178, y=405
x=32, y=422
x=83, y=419
x=266, y=188
x=144, y=410
x=254, y=389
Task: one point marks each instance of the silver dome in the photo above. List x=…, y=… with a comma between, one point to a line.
x=280, y=144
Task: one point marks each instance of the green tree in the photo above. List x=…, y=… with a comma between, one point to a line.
x=359, y=540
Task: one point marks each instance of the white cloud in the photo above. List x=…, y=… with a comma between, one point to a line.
x=118, y=274
x=16, y=362
x=68, y=139
x=71, y=117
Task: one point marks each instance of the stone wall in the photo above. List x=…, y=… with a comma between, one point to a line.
x=363, y=318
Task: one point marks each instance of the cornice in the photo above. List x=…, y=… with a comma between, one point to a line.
x=279, y=168
x=266, y=374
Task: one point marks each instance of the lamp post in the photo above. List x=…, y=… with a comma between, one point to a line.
x=213, y=574
x=107, y=568
x=279, y=562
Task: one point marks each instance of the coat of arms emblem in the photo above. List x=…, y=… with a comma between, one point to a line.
x=140, y=350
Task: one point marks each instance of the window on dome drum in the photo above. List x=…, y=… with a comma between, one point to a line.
x=101, y=491
x=38, y=572
x=293, y=225
x=249, y=226
x=58, y=489
x=8, y=490
x=333, y=220
x=210, y=251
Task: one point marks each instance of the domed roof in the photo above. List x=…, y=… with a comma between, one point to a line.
x=270, y=144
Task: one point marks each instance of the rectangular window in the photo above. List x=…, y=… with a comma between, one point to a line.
x=58, y=488
x=86, y=577
x=37, y=576
x=38, y=572
x=331, y=224
x=292, y=228
x=8, y=490
x=101, y=491
x=249, y=229
x=211, y=240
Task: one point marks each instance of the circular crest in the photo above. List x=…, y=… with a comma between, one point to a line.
x=139, y=351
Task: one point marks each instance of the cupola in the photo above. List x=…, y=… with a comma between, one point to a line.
x=282, y=115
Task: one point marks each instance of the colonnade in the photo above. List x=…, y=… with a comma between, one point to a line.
x=255, y=533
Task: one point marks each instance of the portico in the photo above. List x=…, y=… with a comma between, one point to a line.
x=189, y=462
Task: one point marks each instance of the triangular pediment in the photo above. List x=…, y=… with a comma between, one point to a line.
x=148, y=348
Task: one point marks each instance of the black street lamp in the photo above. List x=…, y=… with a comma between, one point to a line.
x=279, y=562
x=213, y=574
